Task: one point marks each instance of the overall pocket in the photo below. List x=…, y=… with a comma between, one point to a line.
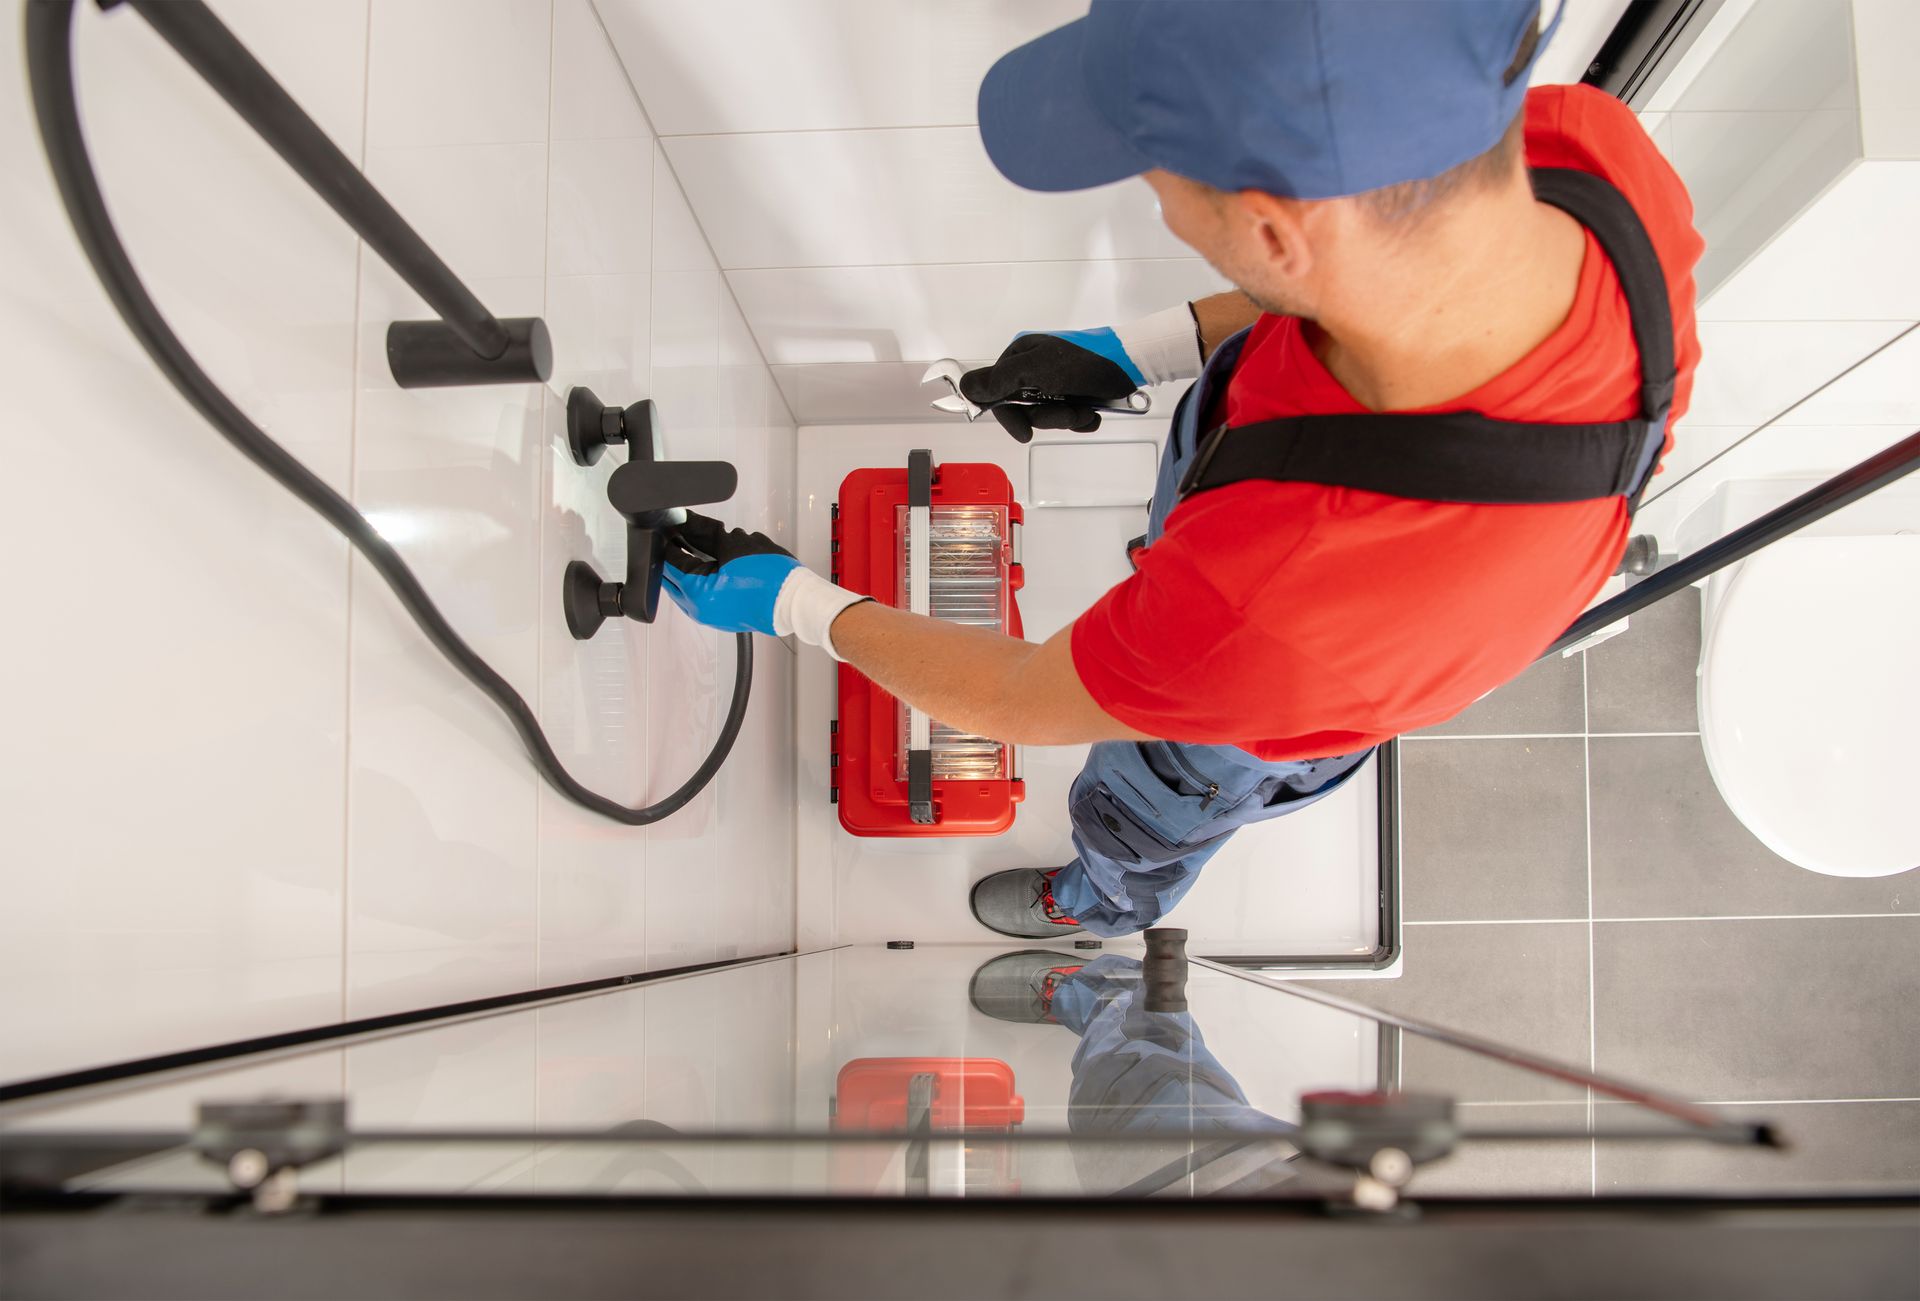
x=1163, y=803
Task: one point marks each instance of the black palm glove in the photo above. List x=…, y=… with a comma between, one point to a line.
x=728, y=579
x=1073, y=371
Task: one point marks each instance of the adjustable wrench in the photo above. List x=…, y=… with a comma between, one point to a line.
x=1136, y=403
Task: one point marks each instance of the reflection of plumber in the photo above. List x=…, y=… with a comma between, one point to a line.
x=1410, y=457
x=1142, y=1074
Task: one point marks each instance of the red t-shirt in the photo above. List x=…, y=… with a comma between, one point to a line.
x=1299, y=621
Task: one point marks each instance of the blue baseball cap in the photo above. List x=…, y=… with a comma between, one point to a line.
x=1306, y=98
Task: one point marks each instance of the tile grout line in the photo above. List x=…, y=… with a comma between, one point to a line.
x=1777, y=416
x=542, y=495
x=1539, y=736
x=353, y=473
x=980, y=261
x=643, y=695
x=1602, y=921
x=1593, y=1037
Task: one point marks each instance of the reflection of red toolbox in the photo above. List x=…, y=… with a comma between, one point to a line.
x=940, y=1093
x=947, y=1108
x=938, y=541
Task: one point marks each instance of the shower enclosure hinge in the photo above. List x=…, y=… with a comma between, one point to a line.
x=261, y=1145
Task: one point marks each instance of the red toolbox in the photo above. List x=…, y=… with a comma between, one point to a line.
x=896, y=772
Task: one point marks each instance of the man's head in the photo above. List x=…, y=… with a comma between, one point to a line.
x=1281, y=251
x=1250, y=117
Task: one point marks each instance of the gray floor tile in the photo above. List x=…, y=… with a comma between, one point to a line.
x=1555, y=1168
x=1666, y=845
x=1523, y=985
x=1494, y=829
x=1643, y=680
x=1549, y=698
x=1731, y=1010
x=1832, y=1147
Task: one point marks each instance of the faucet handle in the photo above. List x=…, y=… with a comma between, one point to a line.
x=641, y=490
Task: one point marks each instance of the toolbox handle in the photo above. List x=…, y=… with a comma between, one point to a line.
x=919, y=601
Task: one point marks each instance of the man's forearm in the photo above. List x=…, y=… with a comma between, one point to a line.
x=975, y=680
x=1221, y=316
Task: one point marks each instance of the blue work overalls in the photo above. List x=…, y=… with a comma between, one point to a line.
x=1150, y=1076
x=1148, y=815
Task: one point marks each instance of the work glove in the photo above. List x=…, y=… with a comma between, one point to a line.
x=1082, y=369
x=738, y=581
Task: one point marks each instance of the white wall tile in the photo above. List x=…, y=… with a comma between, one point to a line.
x=920, y=313
x=592, y=98
x=442, y=883
x=1850, y=257
x=750, y=65
x=1751, y=371
x=1884, y=389
x=679, y=243
x=202, y=701
x=600, y=207
x=443, y=190
x=1886, y=33
x=602, y=332
x=1778, y=57
x=447, y=72
x=856, y=198
x=1751, y=173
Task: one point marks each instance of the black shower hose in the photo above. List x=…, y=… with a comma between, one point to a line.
x=49, y=43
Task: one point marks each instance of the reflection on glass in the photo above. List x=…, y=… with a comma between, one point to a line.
x=943, y=1071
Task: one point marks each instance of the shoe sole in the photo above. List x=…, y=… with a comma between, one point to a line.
x=973, y=985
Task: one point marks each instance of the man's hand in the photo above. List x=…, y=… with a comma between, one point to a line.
x=979, y=681
x=1083, y=369
x=738, y=581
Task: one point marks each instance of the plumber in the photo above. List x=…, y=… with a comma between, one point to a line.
x=1417, y=433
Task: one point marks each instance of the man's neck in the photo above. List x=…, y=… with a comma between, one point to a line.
x=1432, y=317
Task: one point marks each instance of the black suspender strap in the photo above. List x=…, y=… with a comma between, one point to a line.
x=1595, y=204
x=1463, y=456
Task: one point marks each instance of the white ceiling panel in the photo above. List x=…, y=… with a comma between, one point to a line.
x=927, y=194
x=829, y=152
x=918, y=313
x=716, y=66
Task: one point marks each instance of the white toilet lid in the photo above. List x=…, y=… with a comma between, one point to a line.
x=1810, y=701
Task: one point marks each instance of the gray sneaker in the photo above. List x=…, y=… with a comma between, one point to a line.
x=1019, y=986
x=1020, y=903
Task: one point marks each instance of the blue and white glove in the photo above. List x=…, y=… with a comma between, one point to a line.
x=738, y=581
x=1084, y=368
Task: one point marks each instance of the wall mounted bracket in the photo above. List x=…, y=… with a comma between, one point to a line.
x=592, y=425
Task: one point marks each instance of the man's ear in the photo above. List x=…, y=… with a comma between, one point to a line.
x=1278, y=231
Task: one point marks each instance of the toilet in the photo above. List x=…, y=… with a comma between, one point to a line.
x=1810, y=677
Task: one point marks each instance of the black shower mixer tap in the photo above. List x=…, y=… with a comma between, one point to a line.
x=651, y=494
